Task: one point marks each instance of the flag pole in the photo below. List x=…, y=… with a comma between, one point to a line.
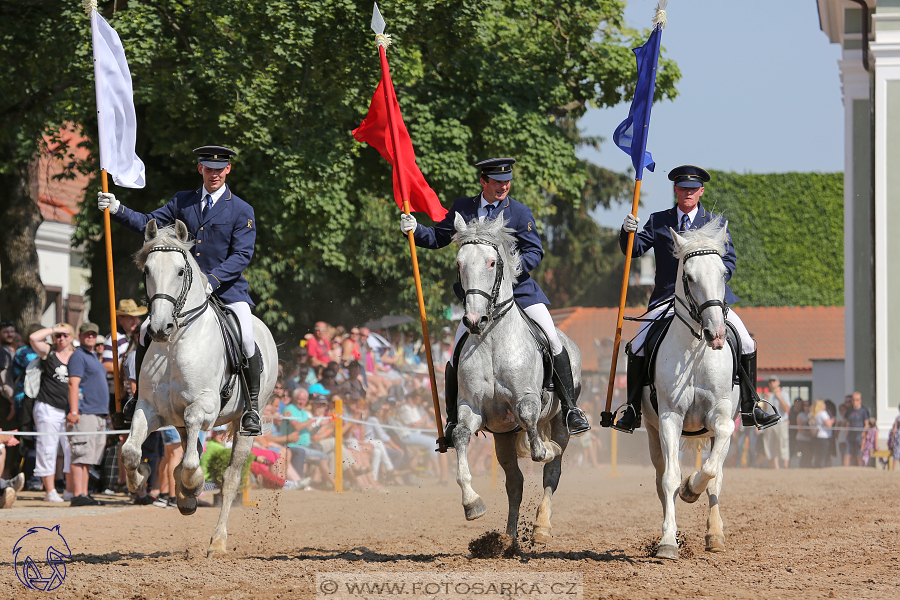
x=383, y=41
x=606, y=417
x=104, y=184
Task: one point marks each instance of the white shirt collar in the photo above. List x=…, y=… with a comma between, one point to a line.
x=215, y=195
x=691, y=215
x=485, y=202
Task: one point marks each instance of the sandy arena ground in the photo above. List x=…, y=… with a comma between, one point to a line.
x=832, y=533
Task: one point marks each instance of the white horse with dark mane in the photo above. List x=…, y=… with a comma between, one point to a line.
x=693, y=377
x=501, y=375
x=184, y=372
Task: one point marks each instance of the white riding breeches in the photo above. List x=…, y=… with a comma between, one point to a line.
x=539, y=314
x=748, y=346
x=245, y=318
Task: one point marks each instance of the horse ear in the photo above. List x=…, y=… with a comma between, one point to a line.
x=679, y=241
x=181, y=231
x=459, y=223
x=722, y=236
x=150, y=230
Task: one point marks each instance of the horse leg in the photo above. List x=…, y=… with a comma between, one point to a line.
x=670, y=434
x=232, y=480
x=529, y=411
x=143, y=422
x=190, y=477
x=715, y=533
x=505, y=446
x=658, y=460
x=468, y=423
x=552, y=472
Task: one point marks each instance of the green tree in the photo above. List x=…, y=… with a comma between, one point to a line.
x=788, y=231
x=284, y=83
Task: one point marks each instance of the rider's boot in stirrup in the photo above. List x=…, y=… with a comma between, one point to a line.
x=751, y=414
x=250, y=424
x=631, y=418
x=130, y=404
x=451, y=393
x=564, y=385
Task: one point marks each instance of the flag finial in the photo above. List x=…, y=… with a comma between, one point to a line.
x=381, y=38
x=89, y=5
x=660, y=17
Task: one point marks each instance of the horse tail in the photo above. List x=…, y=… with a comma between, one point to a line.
x=695, y=443
x=523, y=450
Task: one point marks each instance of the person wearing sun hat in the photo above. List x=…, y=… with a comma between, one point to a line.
x=687, y=214
x=224, y=228
x=493, y=202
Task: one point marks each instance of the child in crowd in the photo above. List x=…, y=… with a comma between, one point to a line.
x=869, y=441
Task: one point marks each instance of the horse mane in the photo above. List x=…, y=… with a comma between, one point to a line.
x=703, y=238
x=165, y=236
x=496, y=232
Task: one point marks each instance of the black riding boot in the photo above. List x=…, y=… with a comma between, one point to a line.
x=250, y=420
x=631, y=418
x=451, y=394
x=564, y=385
x=130, y=404
x=751, y=414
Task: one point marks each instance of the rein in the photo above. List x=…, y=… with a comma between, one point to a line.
x=191, y=314
x=695, y=311
x=496, y=310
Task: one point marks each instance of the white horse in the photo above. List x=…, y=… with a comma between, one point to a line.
x=693, y=377
x=501, y=375
x=185, y=370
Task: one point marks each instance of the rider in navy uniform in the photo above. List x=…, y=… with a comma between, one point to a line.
x=688, y=214
x=494, y=201
x=224, y=227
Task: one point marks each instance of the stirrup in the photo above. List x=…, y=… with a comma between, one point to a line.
x=448, y=434
x=577, y=431
x=750, y=420
x=637, y=418
x=251, y=432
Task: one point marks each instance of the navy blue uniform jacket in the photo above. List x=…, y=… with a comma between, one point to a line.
x=656, y=235
x=519, y=218
x=225, y=238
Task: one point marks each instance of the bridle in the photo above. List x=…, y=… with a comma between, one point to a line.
x=496, y=309
x=695, y=311
x=178, y=303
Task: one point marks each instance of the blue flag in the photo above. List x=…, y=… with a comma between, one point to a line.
x=631, y=134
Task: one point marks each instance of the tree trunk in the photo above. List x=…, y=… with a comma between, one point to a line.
x=22, y=293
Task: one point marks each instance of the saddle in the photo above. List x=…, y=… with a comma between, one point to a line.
x=235, y=359
x=653, y=340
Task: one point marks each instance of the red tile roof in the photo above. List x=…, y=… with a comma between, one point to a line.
x=788, y=337
x=58, y=198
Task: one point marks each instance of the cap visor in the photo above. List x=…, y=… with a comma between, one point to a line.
x=689, y=184
x=214, y=164
x=500, y=176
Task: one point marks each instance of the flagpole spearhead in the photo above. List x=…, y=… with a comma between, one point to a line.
x=659, y=19
x=89, y=6
x=381, y=38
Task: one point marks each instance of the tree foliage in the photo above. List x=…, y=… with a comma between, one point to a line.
x=788, y=231
x=285, y=81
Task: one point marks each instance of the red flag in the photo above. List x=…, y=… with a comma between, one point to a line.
x=375, y=130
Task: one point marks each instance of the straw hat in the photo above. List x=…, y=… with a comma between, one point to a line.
x=129, y=307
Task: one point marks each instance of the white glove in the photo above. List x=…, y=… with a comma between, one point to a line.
x=408, y=223
x=630, y=224
x=107, y=200
x=209, y=289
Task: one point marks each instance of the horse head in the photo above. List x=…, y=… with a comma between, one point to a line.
x=168, y=276
x=700, y=285
x=488, y=263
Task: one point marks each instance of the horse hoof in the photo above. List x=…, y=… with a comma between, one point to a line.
x=667, y=551
x=685, y=492
x=475, y=510
x=715, y=543
x=217, y=549
x=188, y=506
x=542, y=534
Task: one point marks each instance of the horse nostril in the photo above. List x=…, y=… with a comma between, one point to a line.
x=482, y=322
x=708, y=335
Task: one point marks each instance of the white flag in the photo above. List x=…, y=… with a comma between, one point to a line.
x=115, y=107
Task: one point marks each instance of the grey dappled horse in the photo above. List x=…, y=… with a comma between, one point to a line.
x=694, y=384
x=184, y=371
x=501, y=374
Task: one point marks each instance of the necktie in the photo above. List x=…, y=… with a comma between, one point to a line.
x=685, y=222
x=490, y=211
x=207, y=203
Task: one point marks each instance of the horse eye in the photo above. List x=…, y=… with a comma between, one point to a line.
x=181, y=273
x=491, y=263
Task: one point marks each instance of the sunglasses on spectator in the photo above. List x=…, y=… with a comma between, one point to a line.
x=5, y=324
x=61, y=335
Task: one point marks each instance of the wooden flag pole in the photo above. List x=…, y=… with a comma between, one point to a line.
x=385, y=77
x=606, y=417
x=112, y=294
